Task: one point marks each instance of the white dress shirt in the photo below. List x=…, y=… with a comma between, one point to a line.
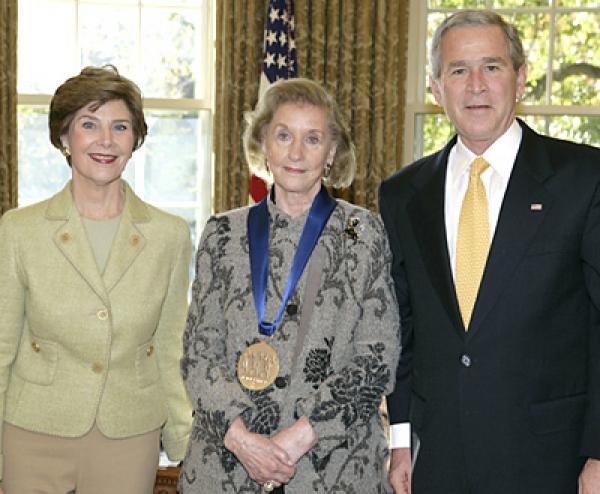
x=501, y=156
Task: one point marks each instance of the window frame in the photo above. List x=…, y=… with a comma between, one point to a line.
x=202, y=206
x=417, y=81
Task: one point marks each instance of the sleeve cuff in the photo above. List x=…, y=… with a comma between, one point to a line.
x=400, y=435
x=176, y=449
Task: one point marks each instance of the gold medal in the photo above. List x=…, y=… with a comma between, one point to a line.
x=258, y=366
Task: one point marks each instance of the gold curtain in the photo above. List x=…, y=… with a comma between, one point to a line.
x=356, y=48
x=239, y=42
x=8, y=105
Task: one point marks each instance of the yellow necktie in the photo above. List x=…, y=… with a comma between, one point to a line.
x=473, y=241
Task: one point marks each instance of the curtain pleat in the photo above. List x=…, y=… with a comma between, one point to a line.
x=356, y=48
x=239, y=42
x=8, y=105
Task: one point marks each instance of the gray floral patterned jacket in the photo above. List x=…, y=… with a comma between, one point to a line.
x=336, y=378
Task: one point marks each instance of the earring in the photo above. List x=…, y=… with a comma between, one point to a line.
x=66, y=151
x=327, y=169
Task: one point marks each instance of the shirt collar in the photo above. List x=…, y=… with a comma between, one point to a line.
x=500, y=155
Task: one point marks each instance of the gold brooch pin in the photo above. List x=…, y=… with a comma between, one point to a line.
x=353, y=227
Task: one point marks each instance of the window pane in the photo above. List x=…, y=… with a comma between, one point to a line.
x=433, y=21
x=196, y=223
x=578, y=3
x=173, y=53
x=45, y=61
x=538, y=123
x=521, y=3
x=43, y=170
x=109, y=2
x=584, y=129
x=189, y=215
x=174, y=3
x=175, y=149
x=456, y=3
x=436, y=130
x=576, y=51
x=534, y=31
x=108, y=34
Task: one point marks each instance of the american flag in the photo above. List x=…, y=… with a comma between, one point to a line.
x=279, y=49
x=279, y=61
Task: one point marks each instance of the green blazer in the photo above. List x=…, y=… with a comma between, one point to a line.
x=78, y=346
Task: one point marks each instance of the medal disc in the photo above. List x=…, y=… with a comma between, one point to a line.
x=258, y=366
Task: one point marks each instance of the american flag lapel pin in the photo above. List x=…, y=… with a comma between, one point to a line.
x=536, y=206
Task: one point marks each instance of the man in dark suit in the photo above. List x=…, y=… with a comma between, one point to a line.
x=496, y=242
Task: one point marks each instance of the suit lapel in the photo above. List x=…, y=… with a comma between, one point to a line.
x=426, y=212
x=70, y=238
x=517, y=224
x=128, y=241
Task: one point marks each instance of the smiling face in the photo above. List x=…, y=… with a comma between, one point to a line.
x=478, y=86
x=297, y=144
x=100, y=143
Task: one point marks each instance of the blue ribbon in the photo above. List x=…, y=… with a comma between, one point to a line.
x=258, y=245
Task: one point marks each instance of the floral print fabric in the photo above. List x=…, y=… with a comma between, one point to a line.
x=347, y=361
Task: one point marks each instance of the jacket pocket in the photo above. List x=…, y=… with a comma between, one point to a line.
x=558, y=414
x=146, y=365
x=36, y=360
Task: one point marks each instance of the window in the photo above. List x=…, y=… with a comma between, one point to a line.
x=165, y=46
x=562, y=42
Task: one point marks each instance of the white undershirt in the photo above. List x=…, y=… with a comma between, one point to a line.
x=501, y=156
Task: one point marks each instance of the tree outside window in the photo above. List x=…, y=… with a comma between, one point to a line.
x=561, y=39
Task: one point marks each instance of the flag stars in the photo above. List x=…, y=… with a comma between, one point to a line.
x=271, y=37
x=269, y=59
x=279, y=58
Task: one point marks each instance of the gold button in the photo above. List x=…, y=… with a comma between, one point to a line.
x=135, y=239
x=102, y=314
x=150, y=350
x=65, y=237
x=36, y=347
x=97, y=367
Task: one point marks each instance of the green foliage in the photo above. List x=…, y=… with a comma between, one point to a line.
x=575, y=67
x=436, y=131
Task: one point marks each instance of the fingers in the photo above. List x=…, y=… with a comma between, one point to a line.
x=400, y=482
x=297, y=439
x=401, y=471
x=263, y=460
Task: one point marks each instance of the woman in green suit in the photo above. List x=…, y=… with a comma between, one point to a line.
x=94, y=298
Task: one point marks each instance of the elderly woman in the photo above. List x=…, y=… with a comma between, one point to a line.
x=293, y=334
x=94, y=300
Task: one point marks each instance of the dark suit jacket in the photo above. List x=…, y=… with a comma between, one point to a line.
x=512, y=405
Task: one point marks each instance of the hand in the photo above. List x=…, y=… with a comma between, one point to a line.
x=400, y=471
x=589, y=479
x=297, y=439
x=262, y=459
